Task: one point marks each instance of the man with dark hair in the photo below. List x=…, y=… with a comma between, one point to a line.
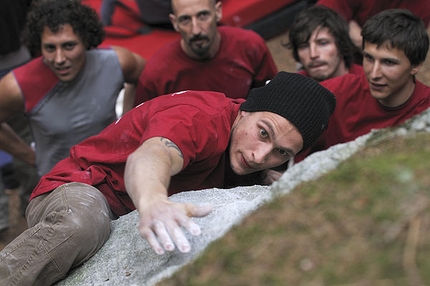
x=320, y=42
x=356, y=12
x=226, y=59
x=183, y=141
x=68, y=93
x=395, y=45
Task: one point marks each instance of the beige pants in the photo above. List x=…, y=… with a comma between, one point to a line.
x=66, y=228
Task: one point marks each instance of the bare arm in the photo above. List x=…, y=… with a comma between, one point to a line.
x=11, y=102
x=355, y=34
x=147, y=177
x=129, y=95
x=132, y=66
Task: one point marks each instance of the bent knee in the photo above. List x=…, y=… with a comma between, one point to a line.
x=87, y=233
x=87, y=218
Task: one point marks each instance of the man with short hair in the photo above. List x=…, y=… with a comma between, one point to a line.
x=226, y=59
x=395, y=45
x=70, y=91
x=183, y=141
x=320, y=42
x=357, y=12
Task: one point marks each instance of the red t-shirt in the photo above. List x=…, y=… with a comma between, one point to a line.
x=357, y=112
x=198, y=122
x=243, y=61
x=361, y=10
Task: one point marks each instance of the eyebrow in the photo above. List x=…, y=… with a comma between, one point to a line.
x=323, y=38
x=71, y=42
x=205, y=11
x=269, y=125
x=396, y=60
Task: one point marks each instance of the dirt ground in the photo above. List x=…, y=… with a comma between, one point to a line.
x=17, y=222
x=284, y=61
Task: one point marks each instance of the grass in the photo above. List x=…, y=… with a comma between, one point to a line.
x=367, y=223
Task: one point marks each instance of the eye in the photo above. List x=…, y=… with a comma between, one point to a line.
x=203, y=16
x=282, y=152
x=184, y=21
x=388, y=62
x=263, y=133
x=69, y=46
x=303, y=46
x=368, y=57
x=49, y=48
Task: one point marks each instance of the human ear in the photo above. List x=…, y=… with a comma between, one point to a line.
x=218, y=11
x=416, y=69
x=172, y=19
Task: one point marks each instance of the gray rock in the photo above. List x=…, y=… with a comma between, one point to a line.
x=127, y=259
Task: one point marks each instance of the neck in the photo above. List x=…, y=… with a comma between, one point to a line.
x=341, y=70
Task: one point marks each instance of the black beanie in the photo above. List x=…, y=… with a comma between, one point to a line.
x=300, y=99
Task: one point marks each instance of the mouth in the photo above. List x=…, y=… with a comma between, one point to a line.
x=63, y=70
x=316, y=65
x=198, y=40
x=246, y=164
x=377, y=86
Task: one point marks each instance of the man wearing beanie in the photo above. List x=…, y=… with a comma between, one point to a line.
x=187, y=140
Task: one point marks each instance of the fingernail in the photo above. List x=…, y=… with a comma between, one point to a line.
x=160, y=251
x=196, y=230
x=185, y=248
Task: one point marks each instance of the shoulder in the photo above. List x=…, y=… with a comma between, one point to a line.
x=119, y=52
x=124, y=55
x=194, y=113
x=169, y=57
x=168, y=52
x=105, y=50
x=346, y=85
x=11, y=98
x=102, y=55
x=207, y=100
x=241, y=41
x=9, y=86
x=34, y=73
x=32, y=66
x=303, y=72
x=170, y=49
x=192, y=104
x=240, y=33
x=131, y=63
x=356, y=69
x=422, y=89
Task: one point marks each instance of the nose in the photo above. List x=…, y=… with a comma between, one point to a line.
x=375, y=71
x=261, y=153
x=195, y=29
x=313, y=49
x=59, y=56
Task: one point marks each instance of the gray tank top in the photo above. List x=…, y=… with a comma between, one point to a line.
x=73, y=111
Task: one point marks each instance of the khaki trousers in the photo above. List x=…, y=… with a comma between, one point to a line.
x=66, y=228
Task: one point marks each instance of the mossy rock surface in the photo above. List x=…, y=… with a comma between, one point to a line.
x=366, y=223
